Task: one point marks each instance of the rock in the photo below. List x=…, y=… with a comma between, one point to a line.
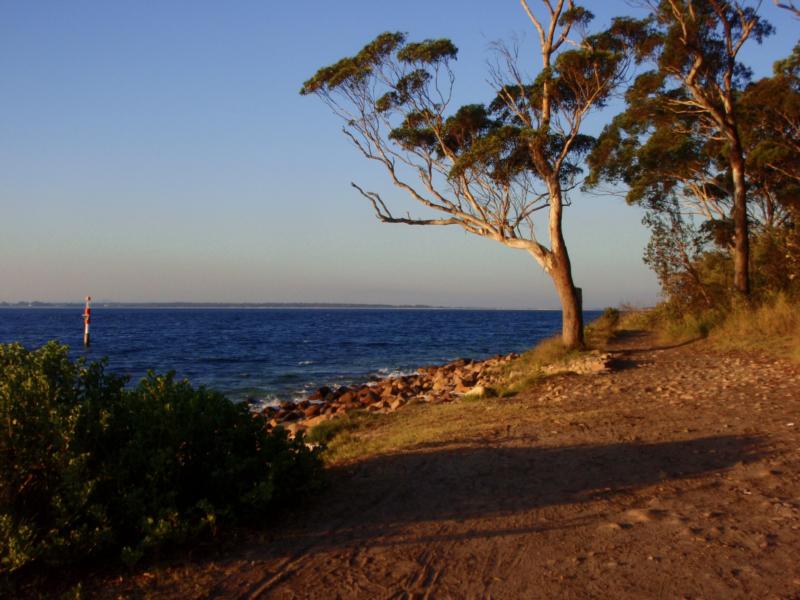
x=464, y=381
x=593, y=362
x=439, y=385
x=292, y=416
x=369, y=397
x=396, y=403
x=461, y=362
x=295, y=428
x=312, y=411
x=347, y=397
x=321, y=393
x=476, y=392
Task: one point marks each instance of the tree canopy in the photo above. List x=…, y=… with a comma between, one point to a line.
x=491, y=168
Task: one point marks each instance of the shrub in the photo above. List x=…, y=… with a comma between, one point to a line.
x=90, y=467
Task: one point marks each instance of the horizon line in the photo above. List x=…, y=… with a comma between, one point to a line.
x=194, y=304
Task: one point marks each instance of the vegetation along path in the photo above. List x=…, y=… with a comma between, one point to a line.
x=676, y=475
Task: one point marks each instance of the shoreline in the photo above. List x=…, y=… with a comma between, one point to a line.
x=428, y=384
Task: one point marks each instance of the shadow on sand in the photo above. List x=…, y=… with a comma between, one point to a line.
x=636, y=338
x=375, y=501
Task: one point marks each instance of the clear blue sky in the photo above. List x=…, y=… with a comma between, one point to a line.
x=160, y=151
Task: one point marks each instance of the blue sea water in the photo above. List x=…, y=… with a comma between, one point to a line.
x=271, y=354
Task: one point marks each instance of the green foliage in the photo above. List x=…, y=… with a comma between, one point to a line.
x=90, y=467
x=676, y=162
x=353, y=71
x=428, y=52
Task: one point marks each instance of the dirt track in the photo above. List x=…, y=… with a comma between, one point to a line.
x=675, y=476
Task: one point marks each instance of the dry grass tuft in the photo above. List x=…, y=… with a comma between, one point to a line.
x=773, y=326
x=528, y=368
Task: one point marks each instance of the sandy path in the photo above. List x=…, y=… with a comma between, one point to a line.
x=674, y=477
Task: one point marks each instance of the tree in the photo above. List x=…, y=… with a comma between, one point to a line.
x=489, y=169
x=770, y=107
x=671, y=165
x=672, y=253
x=790, y=6
x=697, y=82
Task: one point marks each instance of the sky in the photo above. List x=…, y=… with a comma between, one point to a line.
x=161, y=152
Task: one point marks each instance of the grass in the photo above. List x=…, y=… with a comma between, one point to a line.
x=772, y=326
x=421, y=426
x=528, y=368
x=360, y=434
x=324, y=432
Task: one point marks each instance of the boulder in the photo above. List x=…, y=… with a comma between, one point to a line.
x=347, y=397
x=294, y=415
x=312, y=410
x=321, y=393
x=368, y=397
x=461, y=362
x=587, y=364
x=475, y=392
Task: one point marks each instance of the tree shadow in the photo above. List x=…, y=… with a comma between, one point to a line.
x=629, y=336
x=620, y=363
x=377, y=500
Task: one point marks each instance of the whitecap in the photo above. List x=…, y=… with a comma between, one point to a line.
x=389, y=373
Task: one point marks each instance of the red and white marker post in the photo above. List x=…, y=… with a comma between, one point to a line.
x=87, y=318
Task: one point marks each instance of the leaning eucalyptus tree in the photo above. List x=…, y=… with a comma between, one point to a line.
x=491, y=169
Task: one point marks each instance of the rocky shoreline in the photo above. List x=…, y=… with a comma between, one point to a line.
x=433, y=384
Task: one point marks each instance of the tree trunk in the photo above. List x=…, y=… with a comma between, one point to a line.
x=560, y=270
x=741, y=238
x=571, y=301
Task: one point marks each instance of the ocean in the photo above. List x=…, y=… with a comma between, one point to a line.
x=266, y=355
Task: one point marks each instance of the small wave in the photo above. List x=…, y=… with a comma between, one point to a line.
x=386, y=372
x=304, y=363
x=257, y=404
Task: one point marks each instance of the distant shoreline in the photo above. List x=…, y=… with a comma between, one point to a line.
x=256, y=305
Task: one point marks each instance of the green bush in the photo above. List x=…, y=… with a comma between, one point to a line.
x=89, y=467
